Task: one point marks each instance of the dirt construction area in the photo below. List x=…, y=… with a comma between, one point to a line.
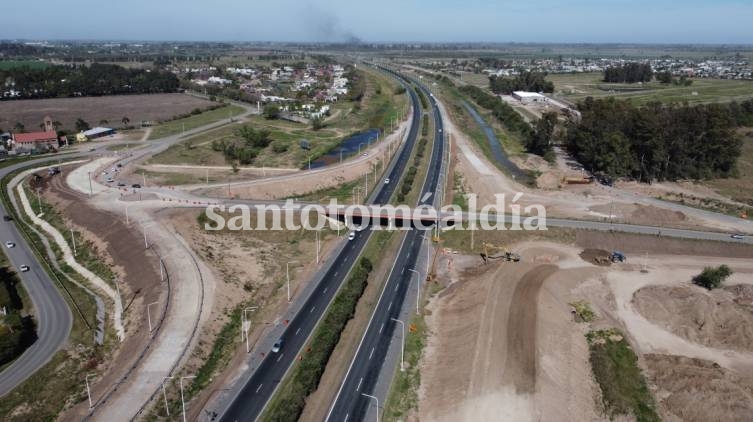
x=504, y=343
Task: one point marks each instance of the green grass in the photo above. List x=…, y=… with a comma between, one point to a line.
x=615, y=367
x=583, y=311
x=177, y=126
x=578, y=86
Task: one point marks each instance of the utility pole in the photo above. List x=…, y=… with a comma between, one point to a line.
x=377, y=404
x=287, y=275
x=149, y=315
x=164, y=395
x=317, y=247
x=91, y=189
x=246, y=325
x=182, y=401
x=73, y=241
x=88, y=391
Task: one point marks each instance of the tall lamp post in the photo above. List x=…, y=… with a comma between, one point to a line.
x=402, y=345
x=418, y=288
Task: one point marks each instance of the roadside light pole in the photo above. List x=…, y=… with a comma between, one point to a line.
x=418, y=289
x=164, y=395
x=287, y=275
x=88, y=391
x=91, y=189
x=149, y=314
x=73, y=241
x=246, y=325
x=317, y=247
x=146, y=244
x=377, y=404
x=182, y=402
x=402, y=345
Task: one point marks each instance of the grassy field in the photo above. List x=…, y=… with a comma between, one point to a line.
x=740, y=188
x=11, y=64
x=379, y=106
x=176, y=126
x=615, y=367
x=575, y=87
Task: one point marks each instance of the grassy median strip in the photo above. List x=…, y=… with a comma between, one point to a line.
x=289, y=401
x=615, y=367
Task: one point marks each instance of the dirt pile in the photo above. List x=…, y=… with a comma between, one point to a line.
x=698, y=390
x=712, y=318
x=596, y=256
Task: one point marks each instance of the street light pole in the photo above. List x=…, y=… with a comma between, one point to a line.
x=149, y=315
x=418, y=288
x=182, y=402
x=164, y=395
x=402, y=345
x=88, y=391
x=246, y=324
x=91, y=189
x=287, y=275
x=377, y=404
x=73, y=241
x=317, y=247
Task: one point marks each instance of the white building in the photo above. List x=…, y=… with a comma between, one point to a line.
x=529, y=97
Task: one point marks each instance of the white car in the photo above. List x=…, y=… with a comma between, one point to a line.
x=277, y=346
x=352, y=235
x=24, y=268
x=360, y=228
x=387, y=181
x=10, y=244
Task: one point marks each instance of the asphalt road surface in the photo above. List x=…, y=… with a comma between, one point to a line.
x=51, y=313
x=252, y=398
x=351, y=403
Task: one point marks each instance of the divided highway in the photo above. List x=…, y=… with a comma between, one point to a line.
x=254, y=395
x=351, y=403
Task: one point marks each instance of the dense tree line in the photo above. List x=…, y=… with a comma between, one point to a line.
x=525, y=81
x=629, y=73
x=509, y=118
x=94, y=80
x=657, y=141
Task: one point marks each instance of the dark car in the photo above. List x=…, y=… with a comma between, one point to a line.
x=136, y=185
x=737, y=236
x=7, y=218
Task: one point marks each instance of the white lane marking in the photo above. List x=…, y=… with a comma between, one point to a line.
x=259, y=388
x=346, y=417
x=336, y=273
x=396, y=286
x=325, y=289
x=278, y=359
x=372, y=353
x=402, y=271
x=359, y=384
x=381, y=328
x=389, y=307
x=312, y=309
x=297, y=331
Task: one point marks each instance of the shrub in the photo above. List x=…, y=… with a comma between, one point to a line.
x=712, y=278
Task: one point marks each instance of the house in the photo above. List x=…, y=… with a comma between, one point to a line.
x=529, y=97
x=35, y=140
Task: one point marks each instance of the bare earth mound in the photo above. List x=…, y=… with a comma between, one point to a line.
x=712, y=318
x=699, y=390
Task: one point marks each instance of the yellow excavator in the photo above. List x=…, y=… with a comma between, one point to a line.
x=501, y=253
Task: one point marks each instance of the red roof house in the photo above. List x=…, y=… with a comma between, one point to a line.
x=36, y=138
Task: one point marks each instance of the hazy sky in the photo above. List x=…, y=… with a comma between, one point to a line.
x=662, y=21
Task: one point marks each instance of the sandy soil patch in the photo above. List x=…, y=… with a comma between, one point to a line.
x=719, y=318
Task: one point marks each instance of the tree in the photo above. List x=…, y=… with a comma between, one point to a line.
x=271, y=112
x=81, y=125
x=317, y=123
x=664, y=77
x=540, y=141
x=103, y=122
x=125, y=120
x=712, y=278
x=19, y=127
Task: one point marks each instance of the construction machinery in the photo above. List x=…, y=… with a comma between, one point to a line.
x=617, y=256
x=501, y=253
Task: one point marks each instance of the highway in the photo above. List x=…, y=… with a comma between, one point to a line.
x=51, y=313
x=350, y=403
x=252, y=397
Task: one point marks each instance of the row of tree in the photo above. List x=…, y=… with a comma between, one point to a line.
x=629, y=73
x=658, y=141
x=525, y=81
x=74, y=81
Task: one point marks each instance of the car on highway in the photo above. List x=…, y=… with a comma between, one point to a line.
x=387, y=181
x=109, y=180
x=24, y=268
x=277, y=346
x=135, y=185
x=121, y=184
x=737, y=236
x=360, y=228
x=10, y=244
x=7, y=218
x=92, y=149
x=352, y=235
